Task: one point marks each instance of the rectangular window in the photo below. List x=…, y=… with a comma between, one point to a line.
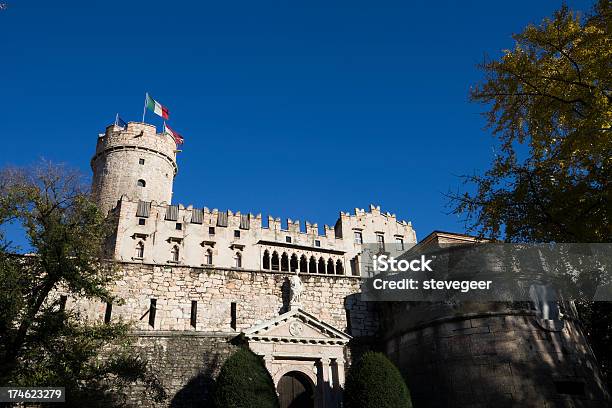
x=236, y=233
x=348, y=322
x=108, y=313
x=152, y=311
x=194, y=313
x=317, y=243
x=211, y=230
x=233, y=316
x=358, y=238
x=400, y=243
x=288, y=239
x=63, y=300
x=380, y=239
x=139, y=250
x=142, y=221
x=179, y=226
x=140, y=161
x=569, y=387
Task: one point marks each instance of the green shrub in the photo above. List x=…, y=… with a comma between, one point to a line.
x=244, y=382
x=374, y=382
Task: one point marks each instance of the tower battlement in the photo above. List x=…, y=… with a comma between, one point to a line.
x=135, y=161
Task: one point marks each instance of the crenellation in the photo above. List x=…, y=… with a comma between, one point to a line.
x=228, y=235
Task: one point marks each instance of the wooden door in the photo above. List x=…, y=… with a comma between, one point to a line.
x=295, y=391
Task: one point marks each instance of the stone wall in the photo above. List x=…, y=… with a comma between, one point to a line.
x=186, y=358
x=186, y=363
x=257, y=295
x=495, y=358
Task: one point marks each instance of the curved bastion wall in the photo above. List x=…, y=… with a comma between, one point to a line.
x=490, y=354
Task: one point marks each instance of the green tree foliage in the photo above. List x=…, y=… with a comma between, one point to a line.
x=43, y=343
x=549, y=106
x=244, y=382
x=374, y=382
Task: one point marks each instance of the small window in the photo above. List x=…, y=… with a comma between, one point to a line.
x=236, y=233
x=139, y=250
x=152, y=312
x=141, y=183
x=142, y=221
x=208, y=258
x=569, y=387
x=140, y=161
x=175, y=253
x=108, y=313
x=179, y=226
x=317, y=243
x=194, y=313
x=211, y=230
x=380, y=239
x=233, y=316
x=288, y=239
x=62, y=302
x=238, y=260
x=358, y=238
x=400, y=243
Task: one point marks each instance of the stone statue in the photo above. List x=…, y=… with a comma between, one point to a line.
x=296, y=288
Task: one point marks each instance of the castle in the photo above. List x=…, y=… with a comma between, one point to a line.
x=198, y=281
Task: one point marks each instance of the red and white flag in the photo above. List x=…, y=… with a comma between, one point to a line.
x=177, y=138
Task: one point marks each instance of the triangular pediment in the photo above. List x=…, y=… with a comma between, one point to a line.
x=297, y=326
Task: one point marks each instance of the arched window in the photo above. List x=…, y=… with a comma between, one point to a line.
x=238, y=260
x=140, y=250
x=141, y=183
x=266, y=260
x=284, y=262
x=275, y=262
x=175, y=253
x=294, y=263
x=339, y=267
x=321, y=268
x=208, y=257
x=303, y=264
x=312, y=265
x=330, y=266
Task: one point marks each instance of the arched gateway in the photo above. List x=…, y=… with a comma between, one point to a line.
x=305, y=358
x=295, y=390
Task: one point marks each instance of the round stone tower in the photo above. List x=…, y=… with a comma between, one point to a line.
x=135, y=161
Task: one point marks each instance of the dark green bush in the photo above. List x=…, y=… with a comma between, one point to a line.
x=244, y=382
x=374, y=382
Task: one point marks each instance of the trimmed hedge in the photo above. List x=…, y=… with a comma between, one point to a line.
x=244, y=382
x=374, y=382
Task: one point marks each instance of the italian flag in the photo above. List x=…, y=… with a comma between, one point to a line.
x=178, y=139
x=157, y=107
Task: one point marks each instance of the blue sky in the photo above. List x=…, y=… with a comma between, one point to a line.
x=295, y=109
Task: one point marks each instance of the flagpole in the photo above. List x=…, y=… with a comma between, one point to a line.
x=144, y=109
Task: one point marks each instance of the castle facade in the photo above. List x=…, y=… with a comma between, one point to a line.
x=197, y=281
